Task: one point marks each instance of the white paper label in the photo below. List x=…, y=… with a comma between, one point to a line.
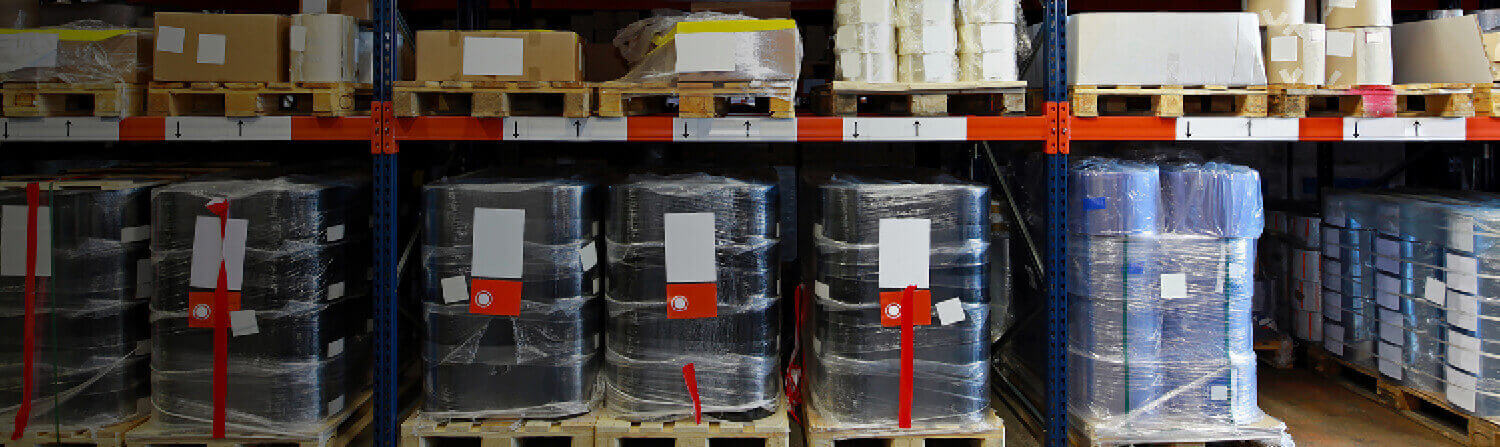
x=144, y=278
x=1461, y=234
x=1340, y=44
x=1284, y=49
x=1333, y=339
x=169, y=39
x=242, y=322
x=1460, y=388
x=336, y=405
x=1332, y=302
x=993, y=35
x=24, y=50
x=588, y=256
x=211, y=49
x=998, y=66
x=297, y=37
x=134, y=234
x=1390, y=368
x=1435, y=291
x=691, y=248
x=13, y=240
x=937, y=9
x=904, y=248
x=335, y=348
x=494, y=56
x=497, y=243
x=1463, y=351
x=1218, y=392
x=1174, y=285
x=1392, y=327
x=1463, y=310
x=1462, y=273
x=1374, y=37
x=335, y=233
x=820, y=290
x=937, y=39
x=455, y=289
x=335, y=290
x=314, y=6
x=209, y=249
x=950, y=311
x=697, y=52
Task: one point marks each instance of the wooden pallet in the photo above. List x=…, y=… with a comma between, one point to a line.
x=1275, y=350
x=1485, y=102
x=33, y=99
x=1078, y=437
x=1421, y=406
x=850, y=98
x=422, y=431
x=822, y=433
x=493, y=98
x=249, y=99
x=771, y=431
x=1168, y=100
x=339, y=430
x=1409, y=100
x=41, y=435
x=696, y=99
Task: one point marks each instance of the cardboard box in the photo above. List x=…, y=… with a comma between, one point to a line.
x=499, y=56
x=602, y=62
x=75, y=56
x=1492, y=49
x=116, y=14
x=323, y=48
x=1149, y=49
x=1338, y=14
x=759, y=10
x=1440, y=50
x=1277, y=12
x=194, y=47
x=358, y=9
x=1294, y=54
x=729, y=50
x=405, y=58
x=1359, y=56
x=18, y=13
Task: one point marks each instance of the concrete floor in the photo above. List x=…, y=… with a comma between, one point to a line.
x=1321, y=413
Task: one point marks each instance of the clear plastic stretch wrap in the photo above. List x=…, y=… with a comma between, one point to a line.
x=299, y=345
x=79, y=52
x=918, y=13
x=1161, y=286
x=711, y=46
x=549, y=352
x=90, y=365
x=865, y=40
x=1349, y=308
x=735, y=351
x=855, y=363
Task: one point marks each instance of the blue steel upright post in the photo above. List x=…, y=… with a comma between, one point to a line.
x=383, y=151
x=1059, y=114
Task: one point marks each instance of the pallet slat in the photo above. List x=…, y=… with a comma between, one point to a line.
x=492, y=98
x=1168, y=100
x=773, y=430
x=339, y=430
x=84, y=99
x=253, y=99
x=420, y=430
x=109, y=436
x=821, y=433
x=1407, y=100
x=849, y=98
x=694, y=99
x=1421, y=406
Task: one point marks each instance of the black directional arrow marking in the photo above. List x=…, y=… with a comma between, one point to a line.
x=684, y=129
x=7, y=129
x=1416, y=128
x=1189, y=129
x=68, y=128
x=916, y=128
x=577, y=128
x=1356, y=129
x=1247, y=127
x=515, y=129
x=856, y=129
x=179, y=129
x=241, y=124
x=747, y=128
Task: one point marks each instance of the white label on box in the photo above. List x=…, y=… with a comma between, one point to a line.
x=136, y=233
x=335, y=348
x=905, y=245
x=13, y=240
x=455, y=289
x=1332, y=302
x=336, y=405
x=144, y=278
x=936, y=9
x=950, y=311
x=588, y=256
x=937, y=39
x=820, y=290
x=999, y=66
x=1460, y=388
x=211, y=48
x=936, y=68
x=1374, y=37
x=993, y=35
x=1461, y=234
x=1174, y=285
x=1435, y=291
x=169, y=39
x=691, y=248
x=846, y=38
x=1340, y=44
x=497, y=243
x=314, y=6
x=1343, y=3
x=494, y=56
x=1387, y=299
x=1333, y=339
x=24, y=50
x=698, y=52
x=1218, y=392
x=209, y=249
x=1391, y=326
x=1463, y=310
x=1463, y=351
x=1284, y=49
x=1389, y=368
x=336, y=233
x=1462, y=273
x=242, y=322
x=336, y=290
x=297, y=37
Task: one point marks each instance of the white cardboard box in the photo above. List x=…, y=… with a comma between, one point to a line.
x=1277, y=12
x=1152, y=49
x=1440, y=50
x=1358, y=56
x=1356, y=13
x=1294, y=54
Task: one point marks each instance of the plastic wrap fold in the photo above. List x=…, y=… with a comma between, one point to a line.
x=79, y=52
x=710, y=47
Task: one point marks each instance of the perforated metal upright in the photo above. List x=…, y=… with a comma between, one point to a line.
x=1059, y=115
x=383, y=150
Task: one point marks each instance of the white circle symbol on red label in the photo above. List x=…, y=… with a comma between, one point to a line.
x=893, y=310
x=483, y=298
x=679, y=303
x=201, y=311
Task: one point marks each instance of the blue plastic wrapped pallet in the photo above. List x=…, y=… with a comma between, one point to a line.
x=1160, y=294
x=866, y=228
x=692, y=281
x=481, y=233
x=294, y=251
x=91, y=283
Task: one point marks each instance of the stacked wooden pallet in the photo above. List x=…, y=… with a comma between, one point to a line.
x=421, y=431
x=1169, y=100
x=1421, y=406
x=770, y=431
x=39, y=99
x=340, y=430
x=821, y=432
x=493, y=98
x=697, y=99
x=252, y=99
x=1407, y=100
x=850, y=98
x=111, y=436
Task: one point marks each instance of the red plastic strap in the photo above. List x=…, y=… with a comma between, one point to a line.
x=221, y=324
x=792, y=380
x=690, y=376
x=28, y=338
x=908, y=334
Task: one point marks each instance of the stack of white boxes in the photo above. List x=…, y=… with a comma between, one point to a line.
x=865, y=40
x=1359, y=43
x=1294, y=50
x=1305, y=283
x=926, y=41
x=986, y=40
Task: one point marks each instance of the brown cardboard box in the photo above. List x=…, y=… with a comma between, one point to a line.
x=602, y=62
x=18, y=13
x=759, y=10
x=1277, y=12
x=1359, y=56
x=323, y=48
x=1492, y=49
x=1440, y=51
x=78, y=56
x=499, y=56
x=194, y=47
x=359, y=9
x=1356, y=13
x=1294, y=54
